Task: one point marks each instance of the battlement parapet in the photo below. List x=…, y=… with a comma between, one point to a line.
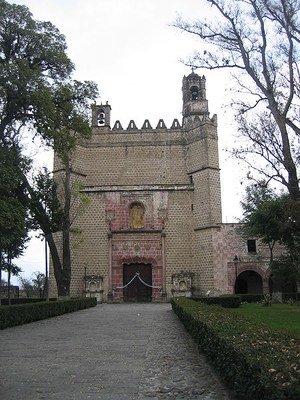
x=132, y=127
x=146, y=126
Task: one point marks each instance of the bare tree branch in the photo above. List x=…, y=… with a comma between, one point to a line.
x=260, y=40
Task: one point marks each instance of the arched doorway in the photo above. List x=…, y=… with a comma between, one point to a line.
x=249, y=282
x=137, y=291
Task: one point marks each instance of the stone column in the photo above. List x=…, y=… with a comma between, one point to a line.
x=110, y=289
x=163, y=257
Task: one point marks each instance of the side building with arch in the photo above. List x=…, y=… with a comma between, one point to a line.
x=152, y=227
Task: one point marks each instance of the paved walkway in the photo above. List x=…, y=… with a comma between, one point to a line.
x=109, y=352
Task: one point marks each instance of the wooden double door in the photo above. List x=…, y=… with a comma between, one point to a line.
x=137, y=291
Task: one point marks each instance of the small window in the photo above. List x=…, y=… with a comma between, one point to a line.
x=251, y=244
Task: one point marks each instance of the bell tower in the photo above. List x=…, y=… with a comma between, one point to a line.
x=202, y=161
x=101, y=115
x=194, y=98
x=201, y=133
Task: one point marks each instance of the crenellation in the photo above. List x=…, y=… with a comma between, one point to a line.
x=161, y=124
x=131, y=126
x=117, y=126
x=175, y=124
x=98, y=130
x=146, y=125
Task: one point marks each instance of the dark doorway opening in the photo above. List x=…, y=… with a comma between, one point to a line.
x=137, y=291
x=249, y=282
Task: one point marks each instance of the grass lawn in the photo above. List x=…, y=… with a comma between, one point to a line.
x=281, y=317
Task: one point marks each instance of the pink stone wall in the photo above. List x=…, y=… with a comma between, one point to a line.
x=139, y=246
x=228, y=242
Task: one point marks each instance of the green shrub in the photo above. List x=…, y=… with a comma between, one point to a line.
x=24, y=313
x=255, y=361
x=251, y=298
x=227, y=301
x=21, y=300
x=288, y=297
x=267, y=300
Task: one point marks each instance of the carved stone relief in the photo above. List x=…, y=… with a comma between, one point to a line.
x=137, y=212
x=182, y=284
x=93, y=287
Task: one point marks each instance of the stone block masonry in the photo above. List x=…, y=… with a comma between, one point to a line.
x=154, y=205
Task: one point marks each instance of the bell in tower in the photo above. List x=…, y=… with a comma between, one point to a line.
x=194, y=96
x=195, y=93
x=101, y=115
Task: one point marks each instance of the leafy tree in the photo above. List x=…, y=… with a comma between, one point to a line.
x=285, y=271
x=11, y=269
x=45, y=194
x=52, y=206
x=259, y=40
x=4, y=282
x=255, y=196
x=264, y=215
x=34, y=286
x=14, y=222
x=39, y=281
x=26, y=286
x=32, y=61
x=75, y=125
x=37, y=93
x=268, y=216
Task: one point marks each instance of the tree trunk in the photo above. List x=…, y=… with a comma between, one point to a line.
x=66, y=232
x=62, y=283
x=8, y=283
x=62, y=271
x=0, y=276
x=289, y=164
x=57, y=266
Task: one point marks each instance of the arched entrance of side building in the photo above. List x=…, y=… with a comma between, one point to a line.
x=249, y=282
x=137, y=282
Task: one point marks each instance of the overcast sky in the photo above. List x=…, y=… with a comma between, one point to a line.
x=130, y=49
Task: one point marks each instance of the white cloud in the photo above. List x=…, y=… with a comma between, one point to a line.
x=130, y=50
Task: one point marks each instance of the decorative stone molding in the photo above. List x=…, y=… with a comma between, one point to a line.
x=93, y=287
x=182, y=284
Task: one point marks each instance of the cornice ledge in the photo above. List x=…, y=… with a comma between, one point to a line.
x=203, y=228
x=137, y=188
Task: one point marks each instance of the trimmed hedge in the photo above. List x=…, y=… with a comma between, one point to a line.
x=20, y=300
x=256, y=362
x=251, y=298
x=24, y=313
x=290, y=296
x=224, y=301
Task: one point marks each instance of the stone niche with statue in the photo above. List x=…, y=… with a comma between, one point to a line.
x=93, y=287
x=182, y=284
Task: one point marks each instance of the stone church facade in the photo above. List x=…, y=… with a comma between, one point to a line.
x=153, y=227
